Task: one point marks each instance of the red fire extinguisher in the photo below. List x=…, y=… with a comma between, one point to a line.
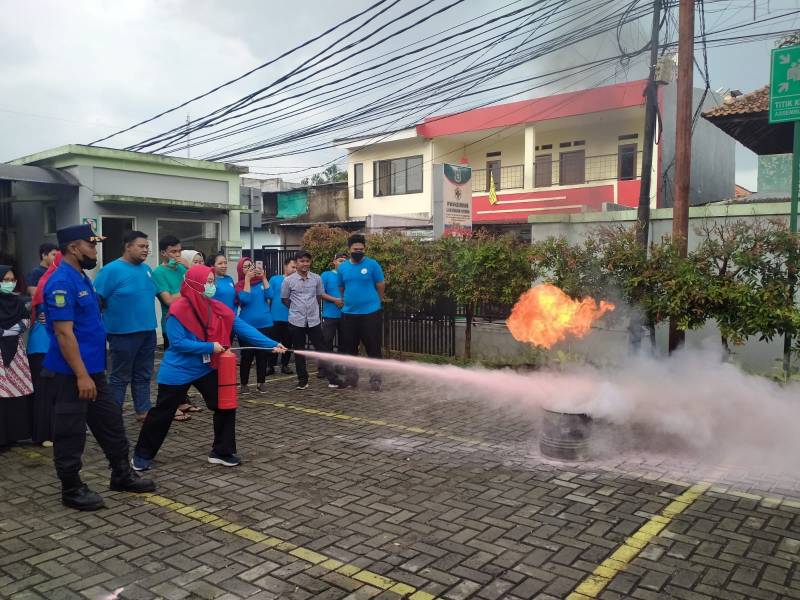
x=226, y=376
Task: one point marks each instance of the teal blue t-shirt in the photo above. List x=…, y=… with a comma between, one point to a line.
x=330, y=282
x=255, y=309
x=358, y=281
x=128, y=293
x=38, y=340
x=226, y=292
x=280, y=312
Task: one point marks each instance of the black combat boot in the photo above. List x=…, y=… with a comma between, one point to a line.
x=76, y=494
x=124, y=479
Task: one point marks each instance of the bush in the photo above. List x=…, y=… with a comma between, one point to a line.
x=323, y=243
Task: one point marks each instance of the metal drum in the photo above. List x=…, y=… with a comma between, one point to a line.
x=565, y=436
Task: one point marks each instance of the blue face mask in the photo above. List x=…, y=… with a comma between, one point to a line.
x=209, y=290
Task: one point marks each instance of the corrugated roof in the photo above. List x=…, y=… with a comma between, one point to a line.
x=36, y=175
x=746, y=104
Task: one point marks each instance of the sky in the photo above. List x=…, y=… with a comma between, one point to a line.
x=75, y=71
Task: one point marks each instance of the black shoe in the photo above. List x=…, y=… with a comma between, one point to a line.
x=124, y=479
x=302, y=386
x=226, y=461
x=81, y=497
x=287, y=371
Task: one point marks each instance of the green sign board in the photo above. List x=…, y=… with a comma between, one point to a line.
x=784, y=85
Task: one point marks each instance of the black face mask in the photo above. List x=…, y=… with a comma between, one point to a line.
x=87, y=263
x=357, y=256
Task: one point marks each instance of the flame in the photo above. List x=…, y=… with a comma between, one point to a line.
x=545, y=315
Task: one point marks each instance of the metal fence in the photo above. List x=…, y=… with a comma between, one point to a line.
x=576, y=169
x=273, y=257
x=511, y=177
x=420, y=333
x=434, y=331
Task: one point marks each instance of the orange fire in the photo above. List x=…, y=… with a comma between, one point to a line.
x=545, y=315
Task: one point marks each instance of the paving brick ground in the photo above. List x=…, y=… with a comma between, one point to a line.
x=425, y=492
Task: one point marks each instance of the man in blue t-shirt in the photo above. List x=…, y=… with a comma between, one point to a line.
x=331, y=316
x=280, y=319
x=362, y=288
x=75, y=378
x=127, y=293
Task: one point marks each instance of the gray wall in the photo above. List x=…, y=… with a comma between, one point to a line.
x=152, y=185
x=28, y=217
x=713, y=163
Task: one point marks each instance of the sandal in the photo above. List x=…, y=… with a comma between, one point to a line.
x=192, y=408
x=181, y=416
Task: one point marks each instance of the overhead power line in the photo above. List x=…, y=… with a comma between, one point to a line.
x=547, y=46
x=211, y=117
x=247, y=74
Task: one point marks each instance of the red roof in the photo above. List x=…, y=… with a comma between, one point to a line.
x=610, y=97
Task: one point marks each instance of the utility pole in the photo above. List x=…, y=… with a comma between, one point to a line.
x=252, y=228
x=650, y=114
x=683, y=143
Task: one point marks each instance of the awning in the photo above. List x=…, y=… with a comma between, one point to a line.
x=30, y=174
x=343, y=224
x=168, y=203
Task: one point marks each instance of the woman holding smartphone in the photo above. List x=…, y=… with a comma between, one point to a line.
x=253, y=294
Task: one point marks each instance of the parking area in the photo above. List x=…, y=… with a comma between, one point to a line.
x=413, y=491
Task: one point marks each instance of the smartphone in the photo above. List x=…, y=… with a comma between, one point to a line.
x=260, y=265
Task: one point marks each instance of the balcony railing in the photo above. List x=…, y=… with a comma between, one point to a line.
x=573, y=169
x=511, y=177
x=576, y=169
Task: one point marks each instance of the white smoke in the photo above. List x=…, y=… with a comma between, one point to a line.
x=692, y=404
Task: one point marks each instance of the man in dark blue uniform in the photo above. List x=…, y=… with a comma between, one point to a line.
x=74, y=370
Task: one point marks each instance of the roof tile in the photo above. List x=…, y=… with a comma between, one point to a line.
x=754, y=102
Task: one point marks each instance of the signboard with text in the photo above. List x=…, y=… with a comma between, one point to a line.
x=784, y=85
x=452, y=199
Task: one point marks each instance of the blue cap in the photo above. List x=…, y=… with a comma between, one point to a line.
x=77, y=232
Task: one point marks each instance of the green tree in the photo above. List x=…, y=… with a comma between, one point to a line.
x=331, y=174
x=749, y=266
x=323, y=243
x=483, y=268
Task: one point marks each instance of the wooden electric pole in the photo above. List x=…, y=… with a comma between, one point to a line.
x=650, y=114
x=683, y=143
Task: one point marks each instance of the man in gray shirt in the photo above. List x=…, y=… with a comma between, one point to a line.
x=302, y=292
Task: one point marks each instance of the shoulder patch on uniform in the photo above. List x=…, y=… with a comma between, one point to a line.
x=59, y=298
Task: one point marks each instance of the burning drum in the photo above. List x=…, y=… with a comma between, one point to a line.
x=565, y=436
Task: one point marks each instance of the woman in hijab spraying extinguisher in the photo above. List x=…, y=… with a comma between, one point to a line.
x=199, y=330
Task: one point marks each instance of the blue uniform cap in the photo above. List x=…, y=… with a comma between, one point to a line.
x=77, y=232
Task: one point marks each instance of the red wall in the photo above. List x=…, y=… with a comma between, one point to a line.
x=628, y=192
x=541, y=203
